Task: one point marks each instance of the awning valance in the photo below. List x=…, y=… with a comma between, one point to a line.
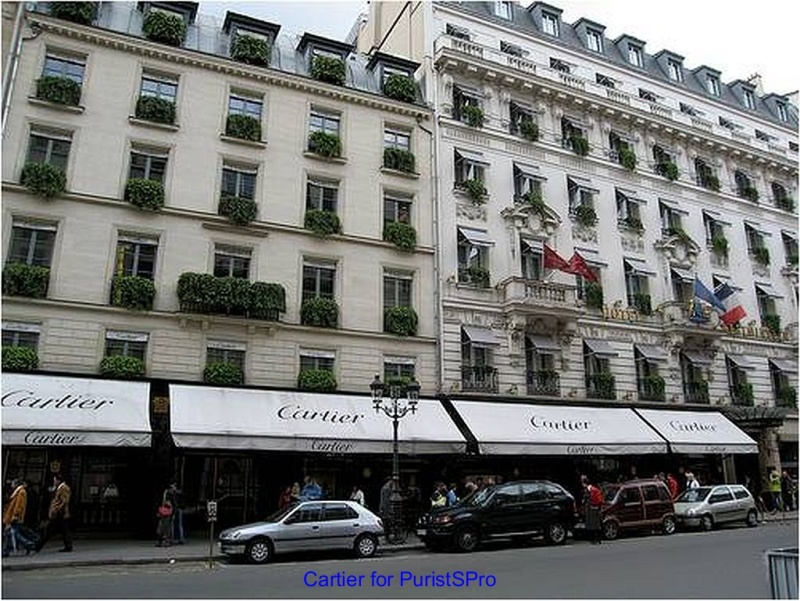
x=544, y=343
x=58, y=411
x=512, y=429
x=232, y=418
x=697, y=358
x=740, y=361
x=529, y=171
x=477, y=237
x=699, y=432
x=639, y=266
x=683, y=275
x=652, y=352
x=673, y=206
x=591, y=256
x=472, y=156
x=480, y=335
x=768, y=290
x=715, y=216
x=785, y=365
x=601, y=348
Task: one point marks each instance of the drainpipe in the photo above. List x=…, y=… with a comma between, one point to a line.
x=12, y=62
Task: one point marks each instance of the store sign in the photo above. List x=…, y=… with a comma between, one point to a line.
x=330, y=416
x=35, y=437
x=560, y=425
x=691, y=426
x=332, y=446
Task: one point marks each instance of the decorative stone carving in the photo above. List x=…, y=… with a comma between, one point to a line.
x=584, y=234
x=526, y=218
x=470, y=210
x=632, y=241
x=760, y=270
x=679, y=250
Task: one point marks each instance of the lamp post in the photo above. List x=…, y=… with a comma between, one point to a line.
x=395, y=409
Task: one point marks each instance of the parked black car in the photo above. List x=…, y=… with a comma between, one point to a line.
x=511, y=510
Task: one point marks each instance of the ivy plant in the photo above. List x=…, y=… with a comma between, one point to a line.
x=594, y=295
x=19, y=358
x=642, y=303
x=478, y=275
x=473, y=115
x=158, y=110
x=772, y=322
x=43, y=179
x=328, y=69
x=655, y=386
x=238, y=210
x=322, y=223
x=627, y=158
x=579, y=144
x=400, y=87
x=711, y=182
x=719, y=245
x=316, y=380
x=787, y=396
x=133, y=292
x=400, y=320
x=586, y=215
x=634, y=223
x=320, y=312
x=77, y=12
x=325, y=144
x=266, y=300
x=58, y=90
x=402, y=235
x=398, y=158
x=251, y=50
x=145, y=193
x=205, y=293
x=603, y=384
x=476, y=190
x=223, y=373
x=20, y=279
x=122, y=368
x=165, y=28
x=750, y=193
x=243, y=127
x=761, y=254
x=529, y=129
x=669, y=170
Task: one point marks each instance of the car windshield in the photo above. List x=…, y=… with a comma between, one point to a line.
x=610, y=491
x=281, y=513
x=694, y=495
x=480, y=497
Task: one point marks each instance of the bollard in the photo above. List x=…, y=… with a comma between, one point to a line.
x=211, y=513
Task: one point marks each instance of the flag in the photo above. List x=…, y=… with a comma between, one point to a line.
x=578, y=266
x=732, y=311
x=704, y=294
x=553, y=261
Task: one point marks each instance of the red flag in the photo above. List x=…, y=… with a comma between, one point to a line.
x=553, y=261
x=577, y=265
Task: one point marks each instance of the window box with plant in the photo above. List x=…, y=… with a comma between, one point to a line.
x=133, y=292
x=320, y=312
x=475, y=190
x=785, y=203
x=165, y=28
x=477, y=275
x=761, y=255
x=579, y=145
x=83, y=13
x=749, y=192
x=20, y=279
x=238, y=210
x=709, y=181
x=668, y=169
x=627, y=158
x=697, y=391
x=772, y=322
x=316, y=380
x=742, y=394
x=58, y=90
x=19, y=358
x=585, y=215
x=146, y=194
x=594, y=295
x=325, y=144
x=529, y=129
x=400, y=87
x=402, y=235
x=536, y=202
x=223, y=373
x=243, y=127
x=43, y=179
x=642, y=303
x=787, y=395
x=400, y=320
x=322, y=223
x=719, y=244
x=399, y=159
x=122, y=368
x=634, y=223
x=250, y=50
x=205, y=293
x=158, y=110
x=473, y=115
x=601, y=386
x=328, y=69
x=652, y=388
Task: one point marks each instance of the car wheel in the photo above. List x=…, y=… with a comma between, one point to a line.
x=259, y=550
x=556, y=533
x=752, y=518
x=610, y=530
x=668, y=525
x=466, y=539
x=366, y=545
x=707, y=522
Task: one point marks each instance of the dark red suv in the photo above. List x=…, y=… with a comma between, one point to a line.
x=637, y=505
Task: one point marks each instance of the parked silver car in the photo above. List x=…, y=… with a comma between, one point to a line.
x=707, y=506
x=306, y=526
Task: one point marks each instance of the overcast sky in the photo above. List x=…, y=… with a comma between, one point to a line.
x=737, y=38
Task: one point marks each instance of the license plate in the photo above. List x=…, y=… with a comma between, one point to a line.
x=422, y=533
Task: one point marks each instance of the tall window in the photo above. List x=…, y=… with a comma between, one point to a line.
x=239, y=104
x=396, y=208
x=737, y=382
x=628, y=210
x=397, y=138
x=550, y=24
x=159, y=86
x=126, y=344
x=64, y=65
x=743, y=182
x=49, y=146
x=311, y=359
x=749, y=99
x=525, y=182
x=468, y=166
x=712, y=85
x=765, y=301
x=594, y=40
x=579, y=195
x=21, y=334
x=395, y=368
x=148, y=164
x=473, y=257
x=136, y=255
x=32, y=243
x=328, y=123
x=226, y=352
x=463, y=98
x=322, y=195
x=713, y=228
x=789, y=248
x=318, y=279
x=783, y=115
x=675, y=70
x=670, y=219
x=682, y=285
x=239, y=181
x=396, y=289
x=531, y=253
x=232, y=261
x=570, y=128
x=755, y=239
x=517, y=114
x=635, y=56
x=636, y=286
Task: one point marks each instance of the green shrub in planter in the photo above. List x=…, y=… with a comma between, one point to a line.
x=322, y=223
x=20, y=358
x=594, y=295
x=400, y=320
x=601, y=386
x=328, y=69
x=397, y=158
x=634, y=223
x=58, y=90
x=145, y=193
x=586, y=215
x=750, y=193
x=320, y=312
x=668, y=169
x=743, y=394
x=787, y=396
x=327, y=145
x=122, y=368
x=165, y=28
x=479, y=276
x=579, y=144
x=401, y=235
x=476, y=190
x=20, y=279
x=233, y=295
x=197, y=292
x=642, y=303
x=711, y=182
x=400, y=87
x=43, y=179
x=761, y=254
x=772, y=322
x=251, y=50
x=786, y=203
x=133, y=292
x=223, y=374
x=77, y=12
x=243, y=127
x=529, y=129
x=473, y=115
x=627, y=158
x=316, y=380
x=654, y=385
x=159, y=110
x=719, y=245
x=240, y=211
x=266, y=300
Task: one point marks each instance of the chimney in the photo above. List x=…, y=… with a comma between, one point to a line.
x=755, y=80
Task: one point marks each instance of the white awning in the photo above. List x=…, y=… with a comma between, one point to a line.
x=697, y=358
x=768, y=290
x=673, y=206
x=582, y=184
x=591, y=256
x=480, y=335
x=55, y=411
x=514, y=429
x=716, y=216
x=529, y=171
x=785, y=365
x=536, y=246
x=683, y=275
x=601, y=348
x=477, y=237
x=544, y=343
x=699, y=432
x=472, y=156
x=791, y=235
x=233, y=418
x=631, y=195
x=639, y=266
x=740, y=361
x=652, y=352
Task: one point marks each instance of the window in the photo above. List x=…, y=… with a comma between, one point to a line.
x=695, y=387
x=689, y=110
x=550, y=24
x=559, y=65
x=636, y=285
x=674, y=70
x=635, y=55
x=782, y=114
x=765, y=301
x=463, y=98
x=20, y=334
x=662, y=158
x=646, y=371
x=531, y=257
x=159, y=86
x=712, y=85
x=396, y=138
x=789, y=248
x=594, y=40
x=630, y=495
x=457, y=32
x=322, y=195
x=606, y=81
x=62, y=65
x=387, y=71
x=728, y=124
x=310, y=512
x=477, y=370
x=339, y=511
x=628, y=210
x=682, y=285
x=239, y=181
x=748, y=99
x=511, y=49
x=471, y=256
x=526, y=183
x=238, y=104
x=581, y=282
x=396, y=289
x=467, y=166
x=705, y=174
x=318, y=279
x=670, y=218
x=571, y=128
x=226, y=352
x=396, y=208
x=533, y=491
x=740, y=492
x=793, y=146
x=126, y=344
x=148, y=164
x=744, y=184
x=713, y=228
x=51, y=147
x=762, y=136
x=755, y=239
x=647, y=95
x=737, y=382
x=316, y=360
x=31, y=243
x=231, y=262
x=324, y=122
x=650, y=492
x=579, y=195
x=503, y=9
x=136, y=256
x=398, y=367
x=518, y=113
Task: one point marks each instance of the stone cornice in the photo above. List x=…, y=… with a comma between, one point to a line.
x=194, y=58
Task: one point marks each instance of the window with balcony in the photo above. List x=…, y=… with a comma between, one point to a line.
x=467, y=106
x=477, y=370
x=468, y=166
x=637, y=286
x=473, y=257
x=782, y=373
x=232, y=261
x=542, y=377
x=664, y=163
x=521, y=120
x=790, y=248
x=600, y=383
x=628, y=213
x=64, y=65
x=715, y=234
x=767, y=307
x=398, y=369
x=581, y=201
x=670, y=219
x=527, y=185
x=712, y=85
x=573, y=136
x=695, y=385
x=149, y=164
x=32, y=243
x=675, y=70
x=682, y=285
x=586, y=290
x=318, y=303
x=781, y=198
x=745, y=185
x=244, y=116
x=741, y=392
x=635, y=56
x=755, y=239
x=531, y=259
x=550, y=24
x=605, y=80
x=748, y=99
x=594, y=40
x=706, y=176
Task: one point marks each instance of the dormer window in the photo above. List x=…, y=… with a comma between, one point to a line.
x=325, y=58
x=635, y=56
x=712, y=85
x=502, y=10
x=675, y=70
x=559, y=65
x=251, y=39
x=594, y=40
x=457, y=32
x=782, y=114
x=550, y=24
x=748, y=99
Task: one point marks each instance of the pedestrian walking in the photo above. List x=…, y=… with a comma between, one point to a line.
x=14, y=518
x=673, y=486
x=164, y=527
x=691, y=481
x=358, y=496
x=311, y=490
x=58, y=515
x=592, y=505
x=786, y=491
x=173, y=495
x=385, y=505
x=774, y=480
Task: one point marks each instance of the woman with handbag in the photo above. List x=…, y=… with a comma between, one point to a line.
x=164, y=529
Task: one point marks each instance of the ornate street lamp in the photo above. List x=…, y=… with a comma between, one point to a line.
x=395, y=409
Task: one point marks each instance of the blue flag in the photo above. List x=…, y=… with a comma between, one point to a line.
x=704, y=294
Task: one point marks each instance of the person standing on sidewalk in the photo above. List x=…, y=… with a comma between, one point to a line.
x=13, y=519
x=775, y=490
x=173, y=495
x=592, y=504
x=58, y=515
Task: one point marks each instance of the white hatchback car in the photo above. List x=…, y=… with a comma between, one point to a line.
x=707, y=506
x=306, y=526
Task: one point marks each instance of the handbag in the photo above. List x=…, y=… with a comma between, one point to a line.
x=164, y=511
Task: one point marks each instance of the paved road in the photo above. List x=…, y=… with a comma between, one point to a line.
x=724, y=564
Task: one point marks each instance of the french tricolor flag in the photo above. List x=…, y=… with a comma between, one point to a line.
x=734, y=312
